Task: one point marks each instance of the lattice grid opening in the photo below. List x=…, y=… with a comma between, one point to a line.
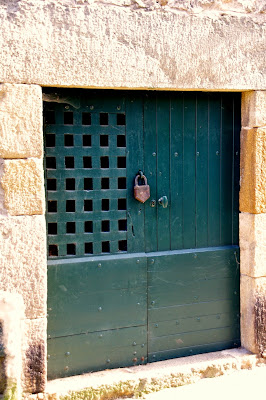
x=85, y=181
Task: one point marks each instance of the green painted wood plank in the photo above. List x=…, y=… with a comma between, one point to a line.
x=193, y=310
x=189, y=150
x=176, y=171
x=72, y=313
x=61, y=129
x=226, y=169
x=214, y=169
x=77, y=354
x=236, y=166
x=135, y=157
x=193, y=350
x=198, y=338
x=163, y=164
x=150, y=169
x=97, y=274
x=201, y=291
x=192, y=324
x=202, y=195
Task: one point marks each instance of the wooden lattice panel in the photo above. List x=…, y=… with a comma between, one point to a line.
x=85, y=180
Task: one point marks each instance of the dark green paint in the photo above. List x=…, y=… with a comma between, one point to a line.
x=165, y=278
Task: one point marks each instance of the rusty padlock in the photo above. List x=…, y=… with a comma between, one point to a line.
x=141, y=192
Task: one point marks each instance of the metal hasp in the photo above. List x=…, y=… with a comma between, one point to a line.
x=163, y=201
x=141, y=192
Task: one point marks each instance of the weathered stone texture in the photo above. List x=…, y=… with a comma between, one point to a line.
x=11, y=315
x=23, y=261
x=134, y=44
x=20, y=121
x=253, y=109
x=253, y=295
x=34, y=354
x=253, y=244
x=23, y=184
x=253, y=171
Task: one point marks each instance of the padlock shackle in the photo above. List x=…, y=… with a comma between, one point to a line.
x=140, y=177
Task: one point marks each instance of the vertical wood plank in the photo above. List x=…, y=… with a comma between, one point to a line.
x=135, y=162
x=227, y=169
x=150, y=169
x=236, y=165
x=176, y=170
x=189, y=204
x=202, y=196
x=163, y=163
x=214, y=169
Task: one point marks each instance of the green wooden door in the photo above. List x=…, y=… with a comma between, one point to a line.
x=129, y=282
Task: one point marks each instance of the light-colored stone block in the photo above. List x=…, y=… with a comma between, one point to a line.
x=188, y=45
x=23, y=184
x=21, y=133
x=253, y=313
x=253, y=171
x=11, y=315
x=34, y=355
x=252, y=238
x=253, y=109
x=23, y=262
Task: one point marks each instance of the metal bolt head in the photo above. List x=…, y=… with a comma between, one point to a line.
x=118, y=108
x=142, y=345
x=99, y=265
x=100, y=309
x=156, y=325
x=91, y=107
x=108, y=361
x=138, y=261
x=217, y=153
x=154, y=154
x=67, y=353
x=152, y=303
x=134, y=353
x=176, y=154
x=48, y=356
x=134, y=344
x=197, y=153
x=152, y=261
x=66, y=368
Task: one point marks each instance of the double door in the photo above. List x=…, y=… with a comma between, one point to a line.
x=131, y=283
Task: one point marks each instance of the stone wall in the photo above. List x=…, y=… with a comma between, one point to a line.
x=153, y=44
x=216, y=45
x=253, y=221
x=22, y=221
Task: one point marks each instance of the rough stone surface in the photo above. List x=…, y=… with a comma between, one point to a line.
x=23, y=261
x=253, y=109
x=252, y=239
x=20, y=121
x=34, y=353
x=11, y=315
x=140, y=380
x=198, y=44
x=253, y=302
x=253, y=171
x=23, y=184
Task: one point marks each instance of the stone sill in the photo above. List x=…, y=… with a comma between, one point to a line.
x=144, y=379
